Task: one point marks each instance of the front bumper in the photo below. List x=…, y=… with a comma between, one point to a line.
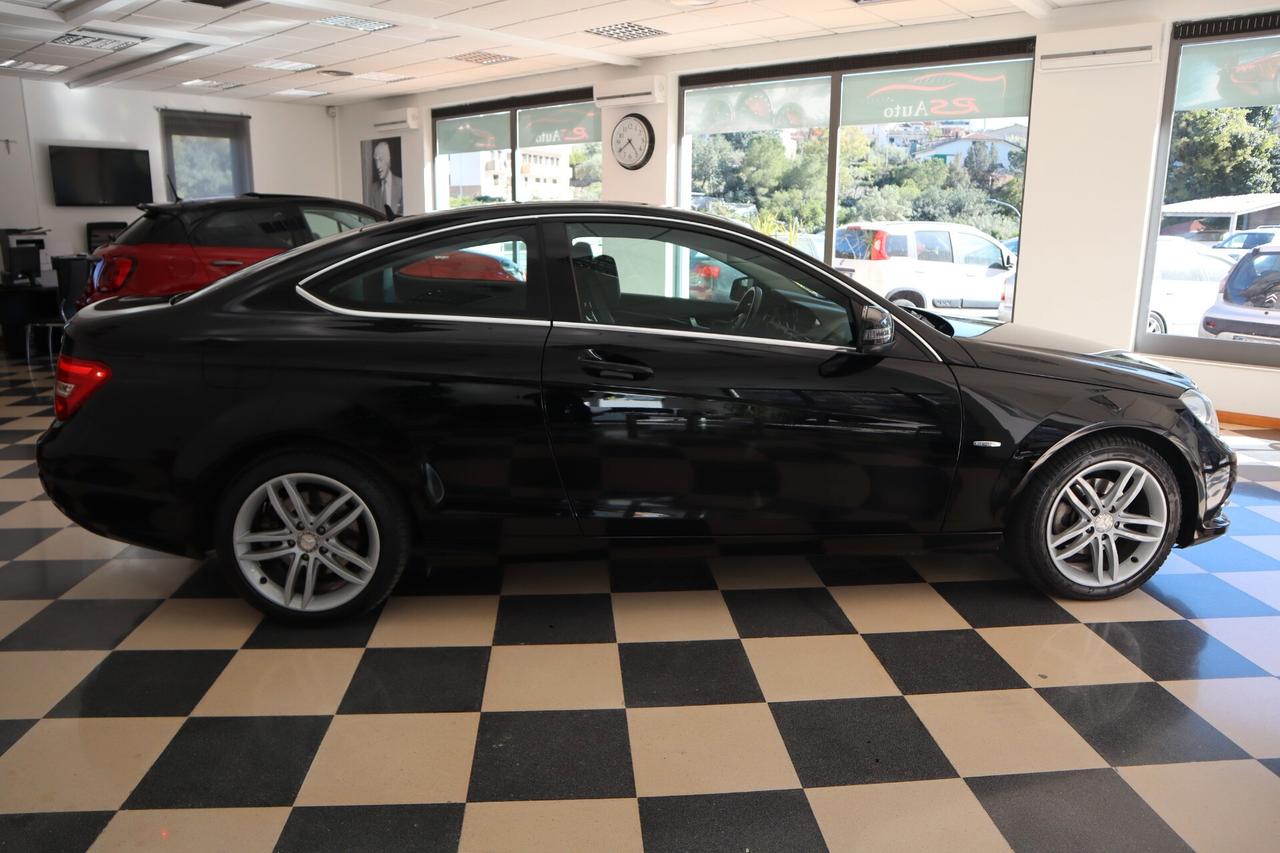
x=1208, y=530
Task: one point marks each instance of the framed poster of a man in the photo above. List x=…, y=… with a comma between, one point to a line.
x=382, y=171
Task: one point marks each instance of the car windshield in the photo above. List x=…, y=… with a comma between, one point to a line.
x=1255, y=278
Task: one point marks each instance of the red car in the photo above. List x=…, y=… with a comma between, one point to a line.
x=172, y=248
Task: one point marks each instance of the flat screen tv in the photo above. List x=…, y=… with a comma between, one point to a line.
x=99, y=176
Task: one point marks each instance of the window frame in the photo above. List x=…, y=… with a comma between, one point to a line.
x=213, y=125
x=1185, y=346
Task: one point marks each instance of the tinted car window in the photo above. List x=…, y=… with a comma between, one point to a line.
x=262, y=227
x=641, y=275
x=933, y=246
x=972, y=250
x=327, y=221
x=481, y=275
x=1254, y=278
x=153, y=227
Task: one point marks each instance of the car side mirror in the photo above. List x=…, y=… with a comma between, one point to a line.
x=1010, y=260
x=739, y=287
x=876, y=332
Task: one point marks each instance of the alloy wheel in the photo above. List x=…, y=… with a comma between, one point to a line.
x=1107, y=523
x=306, y=542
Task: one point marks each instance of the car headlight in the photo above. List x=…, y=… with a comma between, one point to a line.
x=1202, y=407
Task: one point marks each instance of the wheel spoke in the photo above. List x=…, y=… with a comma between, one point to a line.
x=1154, y=532
x=295, y=498
x=345, y=574
x=350, y=556
x=1113, y=556
x=264, y=536
x=291, y=579
x=344, y=522
x=334, y=506
x=1096, y=558
x=276, y=504
x=270, y=553
x=309, y=584
x=1069, y=535
x=1128, y=489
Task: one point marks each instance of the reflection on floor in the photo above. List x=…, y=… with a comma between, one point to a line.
x=663, y=701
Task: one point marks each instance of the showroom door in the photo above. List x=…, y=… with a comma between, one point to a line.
x=673, y=415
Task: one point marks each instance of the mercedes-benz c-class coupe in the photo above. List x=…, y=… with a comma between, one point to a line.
x=319, y=416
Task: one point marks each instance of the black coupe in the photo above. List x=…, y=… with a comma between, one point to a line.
x=605, y=370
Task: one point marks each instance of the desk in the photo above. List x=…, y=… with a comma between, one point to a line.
x=21, y=304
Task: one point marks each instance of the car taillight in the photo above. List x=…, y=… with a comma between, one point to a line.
x=114, y=272
x=77, y=378
x=878, y=251
x=707, y=271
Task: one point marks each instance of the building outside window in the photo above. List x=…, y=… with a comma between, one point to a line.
x=206, y=154
x=473, y=160
x=1213, y=279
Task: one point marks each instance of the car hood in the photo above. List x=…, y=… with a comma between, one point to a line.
x=1038, y=352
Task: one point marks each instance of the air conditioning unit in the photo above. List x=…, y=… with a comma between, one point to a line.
x=1133, y=44
x=630, y=91
x=402, y=119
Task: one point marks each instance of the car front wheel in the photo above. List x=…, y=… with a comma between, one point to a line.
x=309, y=538
x=1097, y=521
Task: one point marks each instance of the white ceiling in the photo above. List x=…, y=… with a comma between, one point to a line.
x=189, y=41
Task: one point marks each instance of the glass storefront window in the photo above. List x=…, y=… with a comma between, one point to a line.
x=473, y=160
x=1221, y=201
x=758, y=154
x=929, y=187
x=559, y=153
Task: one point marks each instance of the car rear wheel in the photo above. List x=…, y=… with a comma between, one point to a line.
x=908, y=300
x=1156, y=324
x=309, y=538
x=1098, y=521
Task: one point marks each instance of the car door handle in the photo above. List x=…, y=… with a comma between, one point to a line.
x=226, y=263
x=607, y=367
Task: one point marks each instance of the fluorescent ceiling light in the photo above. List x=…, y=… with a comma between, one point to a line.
x=96, y=40
x=209, y=84
x=285, y=65
x=348, y=22
x=301, y=93
x=483, y=57
x=15, y=65
x=627, y=31
x=383, y=76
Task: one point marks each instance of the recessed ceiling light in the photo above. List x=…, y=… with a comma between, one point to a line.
x=627, y=31
x=209, y=84
x=483, y=57
x=350, y=23
x=301, y=93
x=334, y=72
x=15, y=65
x=96, y=41
x=383, y=76
x=285, y=65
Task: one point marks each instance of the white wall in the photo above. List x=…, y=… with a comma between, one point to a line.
x=292, y=147
x=18, y=207
x=1090, y=166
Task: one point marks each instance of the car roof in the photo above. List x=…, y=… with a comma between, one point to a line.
x=198, y=205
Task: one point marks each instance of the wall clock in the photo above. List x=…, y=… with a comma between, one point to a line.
x=632, y=141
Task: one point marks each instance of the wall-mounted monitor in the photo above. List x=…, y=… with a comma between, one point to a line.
x=99, y=176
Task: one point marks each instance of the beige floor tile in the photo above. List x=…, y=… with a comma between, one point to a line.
x=371, y=759
x=764, y=572
x=437, y=620
x=133, y=577
x=195, y=623
x=33, y=682
x=961, y=567
x=1059, y=655
x=244, y=830
x=81, y=764
x=1002, y=732
x=552, y=826
x=553, y=678
x=14, y=613
x=570, y=577
x=24, y=412
x=74, y=543
x=1255, y=637
x=1229, y=806
x=643, y=617
x=707, y=749
x=798, y=668
x=939, y=814
x=8, y=466
x=261, y=682
x=1136, y=606
x=879, y=608
x=1247, y=710
x=1269, y=545
x=41, y=422
x=1264, y=586
x=20, y=489
x=34, y=514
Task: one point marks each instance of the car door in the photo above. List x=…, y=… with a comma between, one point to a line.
x=235, y=237
x=984, y=272
x=667, y=416
x=937, y=280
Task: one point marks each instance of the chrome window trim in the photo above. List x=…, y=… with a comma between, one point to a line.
x=666, y=220
x=715, y=336
x=394, y=315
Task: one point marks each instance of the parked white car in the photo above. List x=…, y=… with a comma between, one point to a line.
x=1186, y=282
x=940, y=266
x=1248, y=309
x=1235, y=244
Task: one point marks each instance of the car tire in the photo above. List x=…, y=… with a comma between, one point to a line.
x=335, y=563
x=1156, y=324
x=1075, y=531
x=907, y=300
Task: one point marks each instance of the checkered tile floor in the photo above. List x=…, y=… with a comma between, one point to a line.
x=661, y=700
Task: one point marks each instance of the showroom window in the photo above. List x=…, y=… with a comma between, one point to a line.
x=206, y=154
x=479, y=275
x=925, y=174
x=1207, y=294
x=557, y=154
